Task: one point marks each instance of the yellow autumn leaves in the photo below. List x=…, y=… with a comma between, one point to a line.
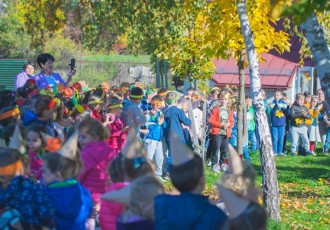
x=215, y=33
x=279, y=113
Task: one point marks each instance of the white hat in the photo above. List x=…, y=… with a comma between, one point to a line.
x=122, y=196
x=235, y=205
x=16, y=141
x=236, y=165
x=133, y=147
x=70, y=147
x=180, y=152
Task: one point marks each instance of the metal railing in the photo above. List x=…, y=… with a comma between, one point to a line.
x=263, y=71
x=96, y=72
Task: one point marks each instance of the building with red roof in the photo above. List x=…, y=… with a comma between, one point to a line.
x=278, y=71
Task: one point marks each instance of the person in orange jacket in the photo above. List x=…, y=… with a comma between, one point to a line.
x=221, y=121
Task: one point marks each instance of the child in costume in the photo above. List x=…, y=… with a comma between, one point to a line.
x=189, y=210
x=73, y=203
x=308, y=99
x=133, y=164
x=174, y=118
x=19, y=192
x=233, y=140
x=96, y=154
x=153, y=144
x=237, y=190
x=45, y=114
x=221, y=121
x=9, y=115
x=299, y=114
x=95, y=105
x=313, y=129
x=135, y=161
x=132, y=114
x=116, y=126
x=36, y=151
x=110, y=211
x=251, y=124
x=212, y=102
x=278, y=115
x=140, y=211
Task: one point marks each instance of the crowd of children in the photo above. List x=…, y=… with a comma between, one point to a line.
x=99, y=156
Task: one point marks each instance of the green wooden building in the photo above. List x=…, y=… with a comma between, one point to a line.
x=9, y=68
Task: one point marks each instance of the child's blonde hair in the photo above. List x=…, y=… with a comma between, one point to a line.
x=95, y=128
x=144, y=190
x=241, y=183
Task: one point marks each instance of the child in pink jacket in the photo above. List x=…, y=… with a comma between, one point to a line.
x=116, y=126
x=36, y=150
x=128, y=166
x=110, y=211
x=95, y=155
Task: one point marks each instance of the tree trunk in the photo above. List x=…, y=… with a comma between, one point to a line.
x=269, y=179
x=320, y=51
x=241, y=104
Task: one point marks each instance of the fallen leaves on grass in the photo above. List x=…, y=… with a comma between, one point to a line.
x=324, y=181
x=298, y=199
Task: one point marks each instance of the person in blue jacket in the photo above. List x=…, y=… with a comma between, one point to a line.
x=174, y=118
x=153, y=143
x=72, y=202
x=278, y=113
x=190, y=209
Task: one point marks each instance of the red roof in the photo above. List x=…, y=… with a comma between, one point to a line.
x=275, y=72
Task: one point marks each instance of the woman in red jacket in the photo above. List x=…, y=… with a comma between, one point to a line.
x=221, y=121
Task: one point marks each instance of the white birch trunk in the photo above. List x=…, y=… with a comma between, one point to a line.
x=269, y=179
x=320, y=51
x=241, y=105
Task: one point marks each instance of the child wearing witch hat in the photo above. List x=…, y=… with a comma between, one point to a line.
x=72, y=202
x=134, y=164
x=116, y=126
x=190, y=209
x=19, y=192
x=238, y=191
x=132, y=114
x=139, y=199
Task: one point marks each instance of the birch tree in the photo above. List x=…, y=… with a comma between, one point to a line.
x=320, y=51
x=241, y=109
x=222, y=22
x=269, y=177
x=307, y=14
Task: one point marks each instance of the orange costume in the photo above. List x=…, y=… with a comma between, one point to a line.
x=216, y=120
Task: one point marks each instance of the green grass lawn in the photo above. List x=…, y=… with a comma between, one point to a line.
x=304, y=184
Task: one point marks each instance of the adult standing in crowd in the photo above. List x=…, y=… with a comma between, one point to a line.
x=27, y=74
x=47, y=77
